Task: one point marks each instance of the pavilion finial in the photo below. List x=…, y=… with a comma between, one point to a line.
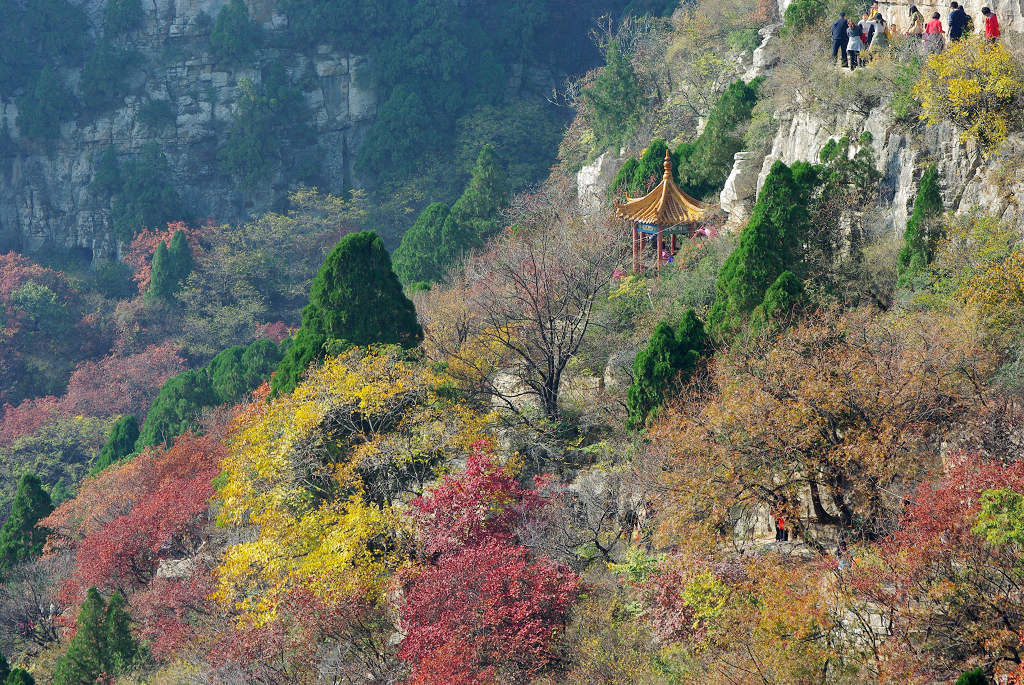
x=668, y=165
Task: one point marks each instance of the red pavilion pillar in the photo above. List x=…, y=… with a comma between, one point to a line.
x=636, y=249
x=659, y=251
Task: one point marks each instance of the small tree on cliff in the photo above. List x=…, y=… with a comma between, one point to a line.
x=103, y=643
x=922, y=234
x=355, y=298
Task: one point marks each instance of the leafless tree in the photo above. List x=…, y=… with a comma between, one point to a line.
x=519, y=312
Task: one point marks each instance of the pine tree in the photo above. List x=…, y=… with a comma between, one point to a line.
x=20, y=676
x=5, y=668
x=119, y=445
x=181, y=257
x=233, y=36
x=614, y=99
x=921, y=235
x=355, y=298
x=47, y=103
x=161, y=274
x=20, y=538
x=121, y=646
x=769, y=244
x=148, y=197
x=670, y=358
x=419, y=257
x=87, y=655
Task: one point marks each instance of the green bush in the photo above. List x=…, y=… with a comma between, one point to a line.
x=769, y=244
x=233, y=37
x=974, y=676
x=803, y=15
x=119, y=445
x=113, y=279
x=156, y=115
x=106, y=178
x=20, y=538
x=743, y=40
x=418, y=257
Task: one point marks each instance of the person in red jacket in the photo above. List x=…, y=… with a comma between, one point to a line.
x=991, y=25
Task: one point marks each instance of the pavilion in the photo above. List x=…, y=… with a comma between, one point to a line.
x=661, y=210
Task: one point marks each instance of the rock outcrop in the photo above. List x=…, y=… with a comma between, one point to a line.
x=45, y=199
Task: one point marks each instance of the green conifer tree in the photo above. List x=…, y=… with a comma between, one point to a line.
x=769, y=244
x=477, y=211
x=419, y=257
x=121, y=16
x=47, y=103
x=614, y=99
x=176, y=407
x=181, y=258
x=119, y=445
x=355, y=298
x=148, y=197
x=781, y=299
x=20, y=538
x=922, y=233
x=669, y=358
x=5, y=668
x=107, y=179
x=86, y=658
x=121, y=646
x=20, y=676
x=233, y=36
x=161, y=275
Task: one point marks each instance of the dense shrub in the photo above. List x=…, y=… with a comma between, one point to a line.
x=234, y=35
x=923, y=232
x=121, y=16
x=147, y=197
x=47, y=103
x=614, y=99
x=103, y=75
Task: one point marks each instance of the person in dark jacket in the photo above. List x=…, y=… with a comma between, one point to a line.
x=856, y=44
x=957, y=22
x=839, y=37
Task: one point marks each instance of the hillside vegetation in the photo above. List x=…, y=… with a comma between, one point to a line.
x=274, y=452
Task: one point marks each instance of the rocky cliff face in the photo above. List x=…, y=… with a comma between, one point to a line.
x=44, y=190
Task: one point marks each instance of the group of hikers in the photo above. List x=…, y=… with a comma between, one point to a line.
x=854, y=41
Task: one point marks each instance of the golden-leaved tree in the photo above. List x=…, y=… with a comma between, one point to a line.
x=320, y=474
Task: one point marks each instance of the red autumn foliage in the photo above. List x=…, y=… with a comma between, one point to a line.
x=139, y=256
x=935, y=576
x=133, y=515
x=168, y=611
x=480, y=608
x=27, y=417
x=274, y=332
x=122, y=385
x=16, y=270
x=482, y=502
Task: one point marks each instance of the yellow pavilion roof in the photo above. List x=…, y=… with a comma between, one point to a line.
x=666, y=205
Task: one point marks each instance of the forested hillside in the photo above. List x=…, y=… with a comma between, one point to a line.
x=702, y=366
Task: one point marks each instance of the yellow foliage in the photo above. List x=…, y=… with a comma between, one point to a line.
x=976, y=85
x=319, y=474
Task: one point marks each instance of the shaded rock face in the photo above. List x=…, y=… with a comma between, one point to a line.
x=45, y=201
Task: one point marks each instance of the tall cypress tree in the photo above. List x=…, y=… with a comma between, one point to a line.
x=355, y=298
x=420, y=257
x=669, y=358
x=86, y=657
x=181, y=258
x=922, y=234
x=161, y=274
x=119, y=445
x=781, y=299
x=20, y=538
x=769, y=244
x=121, y=646
x=477, y=211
